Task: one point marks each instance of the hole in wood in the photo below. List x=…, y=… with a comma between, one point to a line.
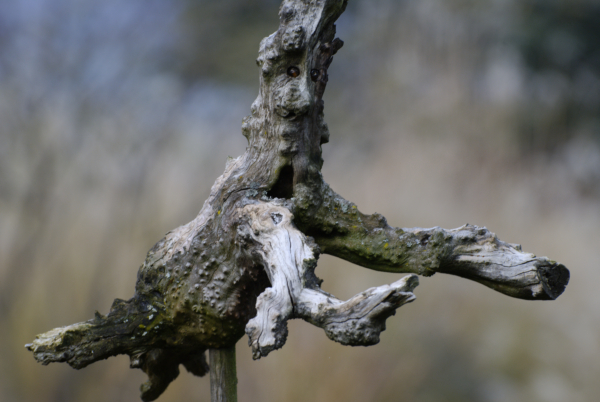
x=314, y=74
x=277, y=218
x=284, y=187
x=293, y=72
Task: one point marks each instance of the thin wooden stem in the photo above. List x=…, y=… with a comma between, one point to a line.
x=223, y=376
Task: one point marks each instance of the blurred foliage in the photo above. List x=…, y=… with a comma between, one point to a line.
x=116, y=117
x=560, y=44
x=220, y=39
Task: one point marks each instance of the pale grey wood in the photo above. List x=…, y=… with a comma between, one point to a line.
x=289, y=258
x=246, y=263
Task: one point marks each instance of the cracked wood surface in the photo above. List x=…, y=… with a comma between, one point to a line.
x=246, y=263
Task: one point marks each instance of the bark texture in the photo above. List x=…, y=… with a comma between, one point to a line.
x=223, y=376
x=246, y=263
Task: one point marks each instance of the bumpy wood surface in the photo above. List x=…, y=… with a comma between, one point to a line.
x=246, y=263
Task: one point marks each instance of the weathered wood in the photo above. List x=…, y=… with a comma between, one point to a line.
x=223, y=376
x=472, y=252
x=289, y=258
x=246, y=263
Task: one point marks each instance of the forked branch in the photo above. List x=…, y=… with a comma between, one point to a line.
x=289, y=258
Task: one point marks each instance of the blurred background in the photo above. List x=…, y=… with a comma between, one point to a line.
x=116, y=118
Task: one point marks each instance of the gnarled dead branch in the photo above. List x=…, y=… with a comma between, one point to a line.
x=246, y=263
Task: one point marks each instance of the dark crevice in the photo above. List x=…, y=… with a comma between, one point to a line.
x=284, y=187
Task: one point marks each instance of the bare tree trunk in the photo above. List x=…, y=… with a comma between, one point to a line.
x=246, y=263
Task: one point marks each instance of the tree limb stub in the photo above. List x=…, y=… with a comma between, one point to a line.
x=246, y=263
x=472, y=252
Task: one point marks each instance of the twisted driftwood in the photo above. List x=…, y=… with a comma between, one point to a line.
x=246, y=263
